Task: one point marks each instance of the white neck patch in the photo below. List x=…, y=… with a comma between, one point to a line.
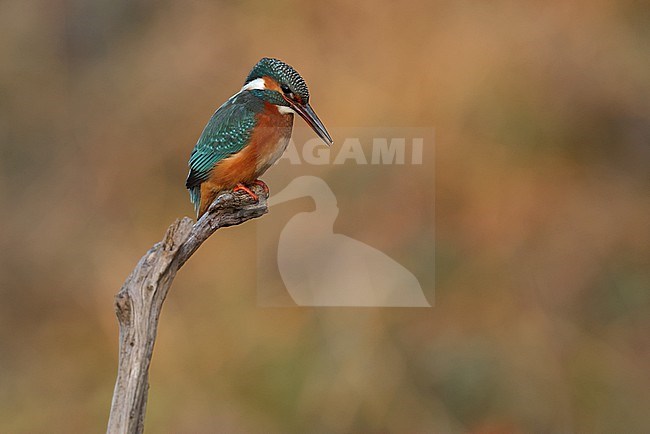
x=257, y=84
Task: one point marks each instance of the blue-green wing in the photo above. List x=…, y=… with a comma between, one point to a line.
x=227, y=132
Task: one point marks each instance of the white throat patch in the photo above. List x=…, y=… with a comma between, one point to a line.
x=283, y=109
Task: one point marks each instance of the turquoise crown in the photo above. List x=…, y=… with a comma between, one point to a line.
x=282, y=73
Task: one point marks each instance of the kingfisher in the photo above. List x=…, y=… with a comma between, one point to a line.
x=249, y=132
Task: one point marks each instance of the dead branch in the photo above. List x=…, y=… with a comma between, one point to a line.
x=139, y=301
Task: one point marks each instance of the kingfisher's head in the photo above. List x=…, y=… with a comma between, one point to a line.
x=280, y=84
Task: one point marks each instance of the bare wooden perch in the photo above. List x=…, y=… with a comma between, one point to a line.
x=140, y=300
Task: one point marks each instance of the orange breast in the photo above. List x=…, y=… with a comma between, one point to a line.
x=267, y=143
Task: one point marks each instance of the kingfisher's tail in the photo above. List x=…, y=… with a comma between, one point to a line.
x=195, y=197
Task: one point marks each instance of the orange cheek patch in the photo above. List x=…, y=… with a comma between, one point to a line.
x=271, y=84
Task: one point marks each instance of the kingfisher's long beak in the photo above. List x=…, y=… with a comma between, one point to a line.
x=308, y=114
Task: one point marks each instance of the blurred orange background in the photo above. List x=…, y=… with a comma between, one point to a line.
x=542, y=300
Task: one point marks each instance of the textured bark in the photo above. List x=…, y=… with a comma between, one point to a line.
x=139, y=301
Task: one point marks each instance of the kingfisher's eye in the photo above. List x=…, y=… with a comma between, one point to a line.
x=285, y=89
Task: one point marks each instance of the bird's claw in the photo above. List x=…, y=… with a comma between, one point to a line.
x=242, y=187
x=263, y=185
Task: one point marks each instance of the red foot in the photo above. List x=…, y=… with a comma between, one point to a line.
x=241, y=186
x=262, y=184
